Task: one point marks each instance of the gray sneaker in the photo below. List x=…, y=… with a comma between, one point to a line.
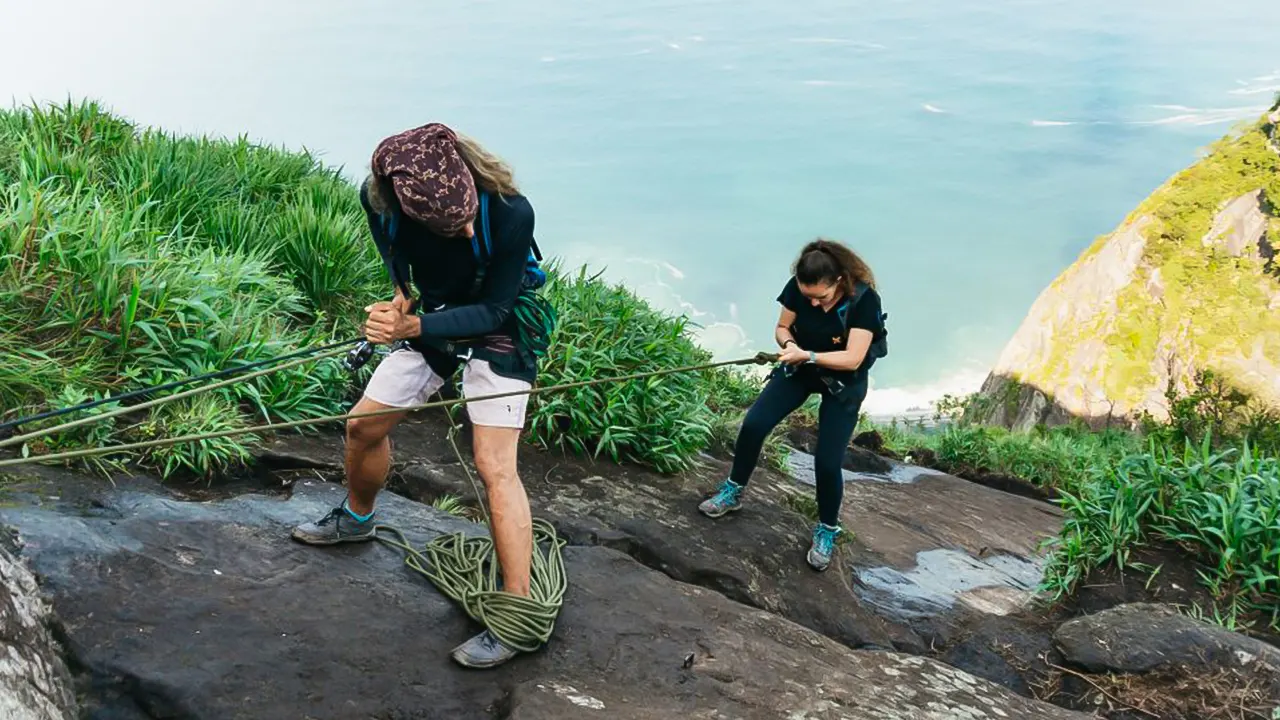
x=483, y=651
x=336, y=527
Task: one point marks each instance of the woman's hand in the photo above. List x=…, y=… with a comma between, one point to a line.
x=793, y=355
x=387, y=323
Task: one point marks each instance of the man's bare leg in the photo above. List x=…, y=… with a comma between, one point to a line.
x=511, y=526
x=511, y=523
x=368, y=454
x=368, y=459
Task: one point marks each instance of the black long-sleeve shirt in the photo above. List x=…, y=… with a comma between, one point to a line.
x=444, y=268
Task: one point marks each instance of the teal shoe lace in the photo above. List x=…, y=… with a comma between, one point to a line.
x=729, y=493
x=824, y=539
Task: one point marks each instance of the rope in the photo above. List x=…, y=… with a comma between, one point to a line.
x=141, y=392
x=18, y=439
x=463, y=568
x=453, y=441
x=466, y=570
x=757, y=359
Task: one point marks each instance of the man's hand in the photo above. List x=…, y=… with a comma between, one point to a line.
x=401, y=302
x=793, y=355
x=387, y=323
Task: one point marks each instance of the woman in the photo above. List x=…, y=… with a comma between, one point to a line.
x=831, y=331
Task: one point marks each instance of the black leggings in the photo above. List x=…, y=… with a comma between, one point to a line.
x=836, y=422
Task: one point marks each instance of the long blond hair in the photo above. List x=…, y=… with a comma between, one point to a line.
x=490, y=173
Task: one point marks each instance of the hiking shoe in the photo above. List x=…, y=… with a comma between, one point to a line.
x=483, y=651
x=726, y=500
x=824, y=545
x=336, y=527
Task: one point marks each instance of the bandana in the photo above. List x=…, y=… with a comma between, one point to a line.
x=429, y=178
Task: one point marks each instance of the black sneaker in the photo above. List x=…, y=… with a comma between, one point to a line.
x=483, y=651
x=336, y=527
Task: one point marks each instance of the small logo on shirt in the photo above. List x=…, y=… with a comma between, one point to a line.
x=835, y=340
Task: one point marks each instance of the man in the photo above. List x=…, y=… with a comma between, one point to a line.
x=421, y=200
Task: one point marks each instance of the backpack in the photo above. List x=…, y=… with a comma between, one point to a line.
x=879, y=338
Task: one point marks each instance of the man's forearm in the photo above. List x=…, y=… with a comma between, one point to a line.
x=462, y=322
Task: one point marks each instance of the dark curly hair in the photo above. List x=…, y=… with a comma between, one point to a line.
x=827, y=261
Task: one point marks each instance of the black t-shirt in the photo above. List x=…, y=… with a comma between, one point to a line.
x=822, y=330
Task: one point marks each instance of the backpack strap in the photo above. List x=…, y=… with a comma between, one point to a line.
x=390, y=226
x=843, y=312
x=482, y=245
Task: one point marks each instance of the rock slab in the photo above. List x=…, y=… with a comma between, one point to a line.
x=927, y=549
x=1140, y=637
x=34, y=681
x=208, y=610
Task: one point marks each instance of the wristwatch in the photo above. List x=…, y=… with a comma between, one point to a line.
x=813, y=358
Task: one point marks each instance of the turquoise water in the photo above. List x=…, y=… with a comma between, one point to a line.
x=970, y=150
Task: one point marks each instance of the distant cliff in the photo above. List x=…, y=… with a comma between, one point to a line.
x=1188, y=281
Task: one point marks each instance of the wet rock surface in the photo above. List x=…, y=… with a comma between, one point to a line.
x=181, y=609
x=928, y=551
x=856, y=458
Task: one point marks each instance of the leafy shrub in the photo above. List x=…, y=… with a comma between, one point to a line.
x=605, y=330
x=1222, y=507
x=133, y=257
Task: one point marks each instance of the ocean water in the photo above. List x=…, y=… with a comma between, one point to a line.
x=969, y=150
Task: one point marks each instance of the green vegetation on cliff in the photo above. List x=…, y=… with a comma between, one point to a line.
x=131, y=257
x=1173, y=322
x=1157, y=300
x=1206, y=481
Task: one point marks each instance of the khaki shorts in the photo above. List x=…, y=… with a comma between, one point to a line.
x=403, y=379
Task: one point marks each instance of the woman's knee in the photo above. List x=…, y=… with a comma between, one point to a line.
x=495, y=473
x=829, y=466
x=758, y=423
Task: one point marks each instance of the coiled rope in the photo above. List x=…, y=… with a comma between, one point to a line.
x=464, y=568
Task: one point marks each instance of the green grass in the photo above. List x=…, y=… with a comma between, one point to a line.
x=1206, y=480
x=131, y=257
x=1056, y=458
x=1221, y=506
x=605, y=330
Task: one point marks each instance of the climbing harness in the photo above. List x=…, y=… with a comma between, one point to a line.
x=465, y=568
